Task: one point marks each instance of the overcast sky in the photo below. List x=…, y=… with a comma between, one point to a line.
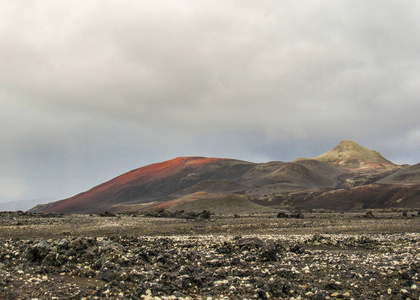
x=92, y=89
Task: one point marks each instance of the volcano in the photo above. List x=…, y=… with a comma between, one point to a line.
x=157, y=182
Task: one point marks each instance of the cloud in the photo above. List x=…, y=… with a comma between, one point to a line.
x=112, y=85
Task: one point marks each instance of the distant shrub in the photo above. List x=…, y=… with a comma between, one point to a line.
x=107, y=214
x=282, y=215
x=297, y=215
x=161, y=213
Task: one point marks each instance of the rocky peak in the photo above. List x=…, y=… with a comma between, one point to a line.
x=349, y=145
x=350, y=155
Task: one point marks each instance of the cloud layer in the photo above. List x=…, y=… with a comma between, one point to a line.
x=91, y=89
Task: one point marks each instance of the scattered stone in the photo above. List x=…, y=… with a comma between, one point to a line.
x=266, y=266
x=161, y=213
x=269, y=252
x=297, y=215
x=333, y=286
x=250, y=242
x=107, y=214
x=369, y=215
x=282, y=215
x=37, y=252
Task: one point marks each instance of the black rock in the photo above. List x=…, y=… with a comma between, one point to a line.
x=253, y=242
x=333, y=286
x=280, y=287
x=269, y=252
x=319, y=296
x=369, y=215
x=63, y=244
x=297, y=249
x=261, y=294
x=107, y=275
x=78, y=244
x=282, y=215
x=37, y=252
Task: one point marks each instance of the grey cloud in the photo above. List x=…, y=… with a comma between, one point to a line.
x=130, y=83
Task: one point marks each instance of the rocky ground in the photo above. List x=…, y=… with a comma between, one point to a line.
x=318, y=256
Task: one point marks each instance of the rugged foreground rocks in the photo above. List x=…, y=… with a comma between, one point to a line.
x=314, y=266
x=323, y=255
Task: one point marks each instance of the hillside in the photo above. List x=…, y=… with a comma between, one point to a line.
x=410, y=175
x=221, y=204
x=184, y=180
x=156, y=182
x=371, y=196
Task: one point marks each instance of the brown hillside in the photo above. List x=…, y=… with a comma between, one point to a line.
x=372, y=196
x=410, y=175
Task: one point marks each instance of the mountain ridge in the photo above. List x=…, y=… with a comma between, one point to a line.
x=346, y=166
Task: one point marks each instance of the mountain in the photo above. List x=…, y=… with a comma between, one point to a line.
x=350, y=155
x=22, y=205
x=410, y=175
x=157, y=182
x=191, y=182
x=278, y=177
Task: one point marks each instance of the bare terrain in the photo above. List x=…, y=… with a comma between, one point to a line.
x=295, y=255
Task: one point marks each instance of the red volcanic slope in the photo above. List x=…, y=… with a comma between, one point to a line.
x=109, y=193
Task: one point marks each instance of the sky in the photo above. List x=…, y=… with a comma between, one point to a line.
x=92, y=89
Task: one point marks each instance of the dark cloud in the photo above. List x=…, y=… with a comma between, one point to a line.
x=91, y=89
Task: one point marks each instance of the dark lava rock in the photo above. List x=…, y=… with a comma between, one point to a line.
x=225, y=248
x=369, y=215
x=280, y=287
x=333, y=286
x=78, y=244
x=107, y=214
x=63, y=245
x=107, y=275
x=297, y=215
x=155, y=288
x=319, y=296
x=133, y=267
x=297, y=249
x=37, y=252
x=269, y=252
x=261, y=294
x=161, y=213
x=250, y=242
x=282, y=215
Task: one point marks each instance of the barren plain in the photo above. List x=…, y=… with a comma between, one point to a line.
x=324, y=255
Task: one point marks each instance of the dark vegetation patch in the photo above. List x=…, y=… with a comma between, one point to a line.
x=182, y=214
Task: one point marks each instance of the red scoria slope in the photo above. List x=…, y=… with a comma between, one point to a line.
x=140, y=185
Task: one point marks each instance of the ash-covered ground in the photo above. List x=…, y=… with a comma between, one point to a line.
x=320, y=256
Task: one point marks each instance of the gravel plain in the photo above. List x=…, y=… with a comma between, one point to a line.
x=320, y=256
